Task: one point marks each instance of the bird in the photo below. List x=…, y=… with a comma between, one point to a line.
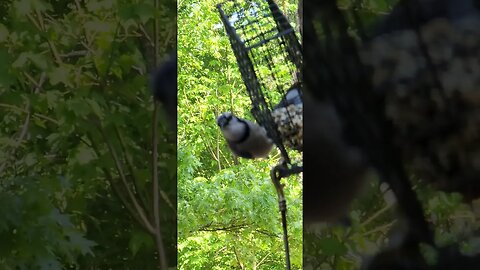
x=288, y=117
x=164, y=85
x=292, y=97
x=244, y=138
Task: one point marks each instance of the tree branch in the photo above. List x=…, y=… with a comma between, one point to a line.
x=138, y=208
x=115, y=188
x=233, y=227
x=238, y=258
x=130, y=166
x=37, y=115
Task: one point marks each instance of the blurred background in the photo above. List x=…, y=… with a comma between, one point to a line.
x=76, y=110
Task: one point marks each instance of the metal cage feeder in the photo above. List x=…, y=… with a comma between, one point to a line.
x=269, y=57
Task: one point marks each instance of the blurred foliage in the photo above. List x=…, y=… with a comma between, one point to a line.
x=228, y=215
x=75, y=110
x=374, y=220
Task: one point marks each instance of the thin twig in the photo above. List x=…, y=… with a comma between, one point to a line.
x=74, y=53
x=130, y=167
x=238, y=258
x=41, y=116
x=116, y=189
x=41, y=27
x=263, y=260
x=147, y=36
x=20, y=138
x=134, y=201
x=380, y=228
x=375, y=215
x=167, y=200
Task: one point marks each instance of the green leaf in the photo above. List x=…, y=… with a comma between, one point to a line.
x=6, y=79
x=23, y=7
x=39, y=60
x=79, y=107
x=126, y=12
x=52, y=98
x=3, y=33
x=331, y=246
x=145, y=12
x=84, y=156
x=21, y=60
x=30, y=159
x=95, y=108
x=60, y=74
x=39, y=122
x=138, y=240
x=48, y=263
x=80, y=243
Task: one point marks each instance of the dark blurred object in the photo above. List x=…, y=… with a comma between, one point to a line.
x=434, y=107
x=450, y=258
x=403, y=258
x=334, y=74
x=164, y=85
x=334, y=172
x=408, y=101
x=423, y=11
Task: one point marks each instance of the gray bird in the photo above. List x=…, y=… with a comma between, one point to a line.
x=288, y=117
x=293, y=96
x=246, y=139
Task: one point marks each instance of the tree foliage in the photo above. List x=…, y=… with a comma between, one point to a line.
x=75, y=137
x=228, y=212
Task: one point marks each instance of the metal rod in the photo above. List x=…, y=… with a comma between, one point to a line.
x=283, y=208
x=276, y=174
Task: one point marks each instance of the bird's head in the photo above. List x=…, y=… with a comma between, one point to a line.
x=224, y=119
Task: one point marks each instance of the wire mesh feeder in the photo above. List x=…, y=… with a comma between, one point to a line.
x=269, y=58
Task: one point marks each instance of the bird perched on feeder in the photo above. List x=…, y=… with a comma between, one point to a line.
x=164, y=85
x=292, y=97
x=288, y=115
x=245, y=138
